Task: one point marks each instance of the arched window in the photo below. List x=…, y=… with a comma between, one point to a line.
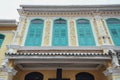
x=35, y=32
x=84, y=76
x=34, y=76
x=114, y=28
x=60, y=33
x=84, y=32
x=1, y=39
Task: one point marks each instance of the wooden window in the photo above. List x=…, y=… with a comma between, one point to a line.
x=60, y=33
x=114, y=29
x=84, y=32
x=35, y=32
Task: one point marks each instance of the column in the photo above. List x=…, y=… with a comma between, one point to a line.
x=113, y=72
x=47, y=31
x=72, y=34
x=109, y=41
x=102, y=35
x=7, y=71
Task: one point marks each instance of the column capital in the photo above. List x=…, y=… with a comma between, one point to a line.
x=114, y=56
x=8, y=69
x=11, y=71
x=112, y=71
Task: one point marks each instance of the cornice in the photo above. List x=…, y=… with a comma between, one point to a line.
x=54, y=47
x=85, y=54
x=8, y=23
x=112, y=71
x=60, y=7
x=108, y=47
x=69, y=10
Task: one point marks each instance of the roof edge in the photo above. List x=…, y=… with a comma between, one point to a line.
x=35, y=6
x=8, y=22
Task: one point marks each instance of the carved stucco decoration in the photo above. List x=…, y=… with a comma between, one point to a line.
x=46, y=39
x=72, y=34
x=106, y=31
x=97, y=32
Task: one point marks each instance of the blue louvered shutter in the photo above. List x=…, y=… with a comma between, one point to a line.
x=60, y=33
x=114, y=28
x=56, y=35
x=35, y=32
x=84, y=32
x=63, y=35
x=1, y=39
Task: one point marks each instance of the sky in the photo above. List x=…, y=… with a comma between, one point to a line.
x=8, y=8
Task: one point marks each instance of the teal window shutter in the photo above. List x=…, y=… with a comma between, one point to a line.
x=84, y=32
x=114, y=29
x=35, y=32
x=1, y=39
x=60, y=33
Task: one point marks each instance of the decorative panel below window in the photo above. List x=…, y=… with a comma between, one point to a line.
x=114, y=28
x=35, y=32
x=84, y=32
x=60, y=33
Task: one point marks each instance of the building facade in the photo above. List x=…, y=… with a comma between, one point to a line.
x=64, y=43
x=7, y=31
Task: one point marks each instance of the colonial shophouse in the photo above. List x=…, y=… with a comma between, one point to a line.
x=67, y=42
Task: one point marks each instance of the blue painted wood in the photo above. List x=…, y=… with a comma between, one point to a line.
x=60, y=33
x=35, y=32
x=114, y=29
x=84, y=32
x=1, y=39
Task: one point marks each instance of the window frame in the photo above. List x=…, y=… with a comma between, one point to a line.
x=2, y=40
x=67, y=31
x=108, y=29
x=90, y=27
x=27, y=30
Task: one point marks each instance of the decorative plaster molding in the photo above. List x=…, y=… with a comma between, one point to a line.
x=5, y=63
x=70, y=7
x=108, y=47
x=53, y=10
x=55, y=48
x=46, y=37
x=112, y=71
x=11, y=71
x=114, y=56
x=6, y=68
x=72, y=33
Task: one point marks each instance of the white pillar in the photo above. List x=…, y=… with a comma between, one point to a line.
x=113, y=72
x=7, y=72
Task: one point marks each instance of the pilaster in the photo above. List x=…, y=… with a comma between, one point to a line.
x=106, y=31
x=113, y=71
x=6, y=70
x=46, y=37
x=100, y=30
x=100, y=42
x=73, y=40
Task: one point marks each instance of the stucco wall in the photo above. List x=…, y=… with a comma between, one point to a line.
x=65, y=74
x=7, y=40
